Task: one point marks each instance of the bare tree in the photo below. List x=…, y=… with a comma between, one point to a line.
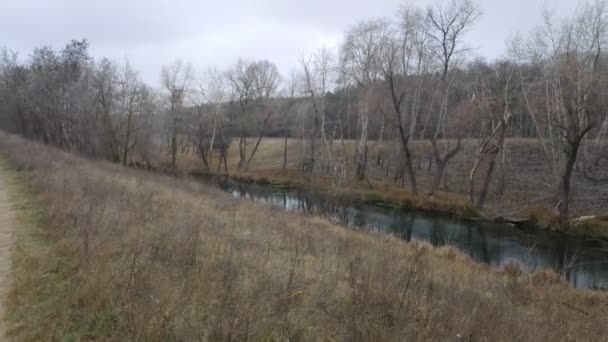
x=133, y=106
x=59, y=96
x=216, y=95
x=570, y=56
x=361, y=59
x=254, y=84
x=406, y=56
x=199, y=127
x=492, y=144
x=316, y=78
x=105, y=80
x=13, y=95
x=176, y=79
x=290, y=90
x=209, y=105
x=447, y=27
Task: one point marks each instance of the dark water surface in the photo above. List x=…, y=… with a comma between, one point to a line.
x=583, y=262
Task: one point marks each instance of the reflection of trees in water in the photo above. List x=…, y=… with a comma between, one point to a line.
x=359, y=218
x=437, y=234
x=401, y=226
x=478, y=248
x=572, y=265
x=485, y=248
x=561, y=254
x=588, y=272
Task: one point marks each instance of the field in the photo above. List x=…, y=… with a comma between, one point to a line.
x=113, y=254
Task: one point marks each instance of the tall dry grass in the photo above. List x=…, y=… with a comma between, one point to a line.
x=130, y=256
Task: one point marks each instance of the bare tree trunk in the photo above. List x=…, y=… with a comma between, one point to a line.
x=203, y=154
x=410, y=168
x=242, y=152
x=212, y=142
x=223, y=160
x=285, y=155
x=472, y=177
x=564, y=205
x=127, y=143
x=173, y=149
x=379, y=150
x=362, y=147
x=486, y=183
x=441, y=163
x=571, y=156
x=257, y=143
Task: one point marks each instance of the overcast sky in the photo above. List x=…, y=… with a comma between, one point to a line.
x=216, y=33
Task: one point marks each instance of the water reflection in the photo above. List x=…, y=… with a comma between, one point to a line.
x=583, y=262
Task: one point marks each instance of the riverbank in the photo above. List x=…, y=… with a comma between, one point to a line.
x=447, y=204
x=521, y=195
x=130, y=255
x=379, y=194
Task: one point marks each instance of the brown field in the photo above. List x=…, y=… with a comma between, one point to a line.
x=111, y=254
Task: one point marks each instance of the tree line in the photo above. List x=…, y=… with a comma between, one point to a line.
x=392, y=81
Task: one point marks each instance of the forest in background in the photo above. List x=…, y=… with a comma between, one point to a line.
x=391, y=85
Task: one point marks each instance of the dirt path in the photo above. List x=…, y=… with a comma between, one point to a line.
x=7, y=218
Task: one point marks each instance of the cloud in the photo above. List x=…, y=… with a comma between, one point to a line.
x=216, y=33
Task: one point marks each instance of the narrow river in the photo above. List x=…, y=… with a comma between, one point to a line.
x=583, y=262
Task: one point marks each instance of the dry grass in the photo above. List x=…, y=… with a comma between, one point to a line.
x=132, y=256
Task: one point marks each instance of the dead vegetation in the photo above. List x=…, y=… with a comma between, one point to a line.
x=125, y=255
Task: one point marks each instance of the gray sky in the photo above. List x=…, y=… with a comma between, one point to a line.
x=216, y=33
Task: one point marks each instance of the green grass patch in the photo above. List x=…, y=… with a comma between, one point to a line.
x=42, y=279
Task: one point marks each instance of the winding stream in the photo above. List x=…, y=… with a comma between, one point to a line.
x=583, y=262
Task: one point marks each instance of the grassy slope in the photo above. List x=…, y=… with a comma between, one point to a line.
x=121, y=255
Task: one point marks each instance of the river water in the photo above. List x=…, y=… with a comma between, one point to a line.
x=583, y=262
